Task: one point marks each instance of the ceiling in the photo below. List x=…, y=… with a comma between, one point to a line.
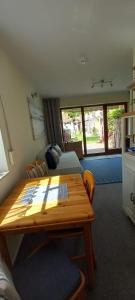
x=47, y=38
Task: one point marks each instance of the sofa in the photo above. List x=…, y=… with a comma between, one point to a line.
x=68, y=163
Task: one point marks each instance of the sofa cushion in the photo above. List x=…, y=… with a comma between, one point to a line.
x=68, y=164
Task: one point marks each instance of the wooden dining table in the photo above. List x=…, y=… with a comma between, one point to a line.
x=21, y=213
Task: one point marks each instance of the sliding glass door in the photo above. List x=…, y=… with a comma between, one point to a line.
x=98, y=127
x=94, y=129
x=72, y=125
x=114, y=113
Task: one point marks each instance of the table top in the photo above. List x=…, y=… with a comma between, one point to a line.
x=16, y=216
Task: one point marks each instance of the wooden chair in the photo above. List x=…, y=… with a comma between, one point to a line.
x=45, y=274
x=49, y=274
x=67, y=233
x=89, y=182
x=37, y=168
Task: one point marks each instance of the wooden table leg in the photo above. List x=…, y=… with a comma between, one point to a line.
x=4, y=251
x=89, y=254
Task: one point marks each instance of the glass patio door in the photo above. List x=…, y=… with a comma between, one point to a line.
x=72, y=125
x=98, y=127
x=94, y=130
x=114, y=113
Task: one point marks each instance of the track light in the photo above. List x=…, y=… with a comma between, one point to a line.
x=101, y=83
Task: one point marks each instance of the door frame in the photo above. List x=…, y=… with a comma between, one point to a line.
x=107, y=150
x=104, y=105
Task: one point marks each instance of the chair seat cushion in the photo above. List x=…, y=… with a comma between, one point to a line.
x=47, y=275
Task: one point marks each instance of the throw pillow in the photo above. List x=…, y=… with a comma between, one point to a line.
x=57, y=148
x=55, y=154
x=51, y=161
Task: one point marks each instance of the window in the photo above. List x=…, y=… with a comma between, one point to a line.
x=4, y=143
x=3, y=160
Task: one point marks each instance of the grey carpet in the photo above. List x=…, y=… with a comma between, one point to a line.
x=114, y=239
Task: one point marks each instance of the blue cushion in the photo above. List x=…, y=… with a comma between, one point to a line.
x=54, y=154
x=47, y=275
x=51, y=161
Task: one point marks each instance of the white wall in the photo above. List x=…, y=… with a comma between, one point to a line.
x=133, y=96
x=133, y=56
x=95, y=99
x=14, y=90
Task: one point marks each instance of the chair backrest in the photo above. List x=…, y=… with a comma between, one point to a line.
x=89, y=182
x=36, y=169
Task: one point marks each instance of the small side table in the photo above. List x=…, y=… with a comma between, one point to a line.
x=74, y=146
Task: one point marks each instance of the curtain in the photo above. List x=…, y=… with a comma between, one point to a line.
x=53, y=121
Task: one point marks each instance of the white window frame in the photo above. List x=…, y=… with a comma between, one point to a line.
x=5, y=146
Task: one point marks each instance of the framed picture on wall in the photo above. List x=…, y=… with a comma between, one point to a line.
x=36, y=115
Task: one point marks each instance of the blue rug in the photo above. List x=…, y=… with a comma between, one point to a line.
x=105, y=170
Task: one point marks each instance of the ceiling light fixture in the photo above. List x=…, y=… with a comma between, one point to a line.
x=101, y=83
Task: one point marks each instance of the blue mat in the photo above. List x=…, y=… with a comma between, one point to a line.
x=105, y=170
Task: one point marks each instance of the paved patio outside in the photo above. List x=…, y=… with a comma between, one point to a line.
x=95, y=148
